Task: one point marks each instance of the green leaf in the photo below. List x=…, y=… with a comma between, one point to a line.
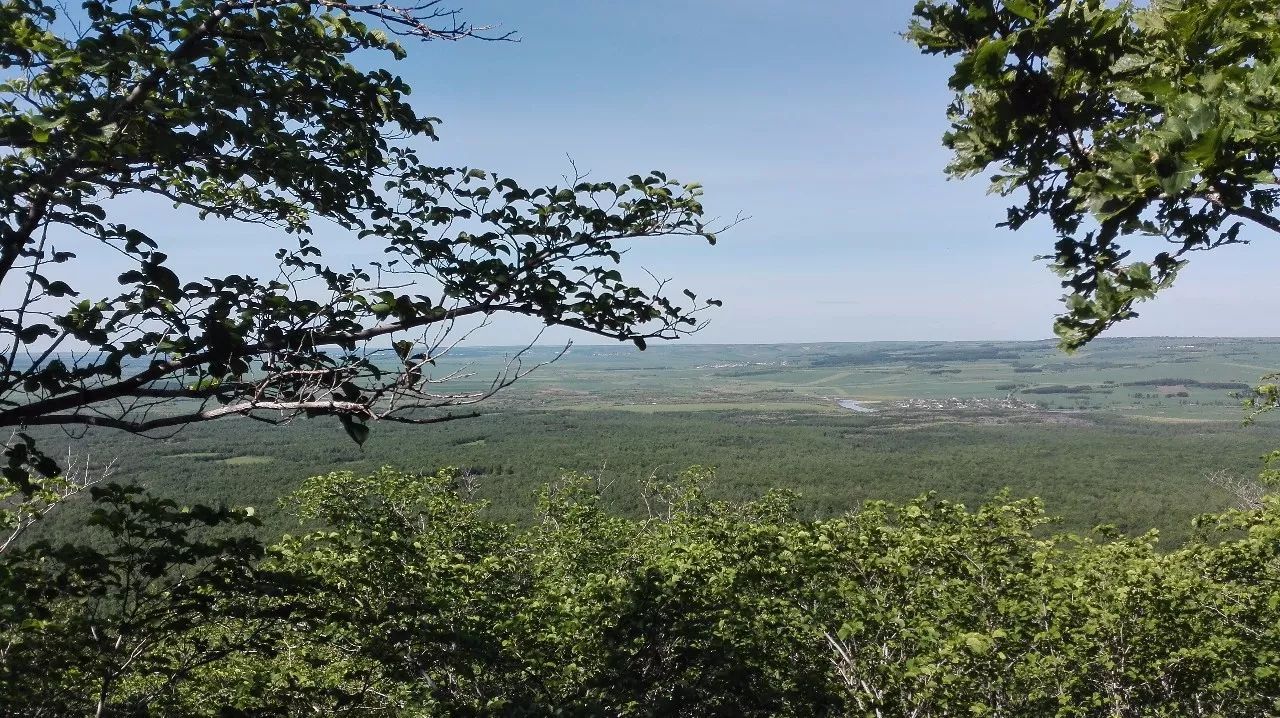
x=1022, y=8
x=357, y=430
x=976, y=642
x=402, y=348
x=989, y=60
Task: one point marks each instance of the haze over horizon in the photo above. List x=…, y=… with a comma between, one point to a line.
x=818, y=121
x=695, y=341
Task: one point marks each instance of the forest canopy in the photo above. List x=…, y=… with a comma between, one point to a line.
x=402, y=600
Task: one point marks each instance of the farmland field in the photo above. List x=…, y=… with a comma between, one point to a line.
x=1124, y=433
x=1124, y=376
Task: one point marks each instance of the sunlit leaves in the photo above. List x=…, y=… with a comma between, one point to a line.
x=398, y=595
x=1115, y=121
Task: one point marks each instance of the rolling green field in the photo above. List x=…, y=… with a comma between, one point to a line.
x=1124, y=433
x=1125, y=376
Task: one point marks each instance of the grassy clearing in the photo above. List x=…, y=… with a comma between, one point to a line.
x=250, y=460
x=817, y=406
x=1180, y=419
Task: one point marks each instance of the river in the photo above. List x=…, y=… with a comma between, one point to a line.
x=853, y=405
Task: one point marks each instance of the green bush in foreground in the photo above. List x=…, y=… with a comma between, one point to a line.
x=401, y=600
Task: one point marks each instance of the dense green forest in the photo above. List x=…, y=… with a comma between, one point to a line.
x=1091, y=470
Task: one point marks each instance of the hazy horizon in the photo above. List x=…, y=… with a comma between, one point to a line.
x=658, y=344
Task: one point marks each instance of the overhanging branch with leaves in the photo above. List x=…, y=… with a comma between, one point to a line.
x=255, y=113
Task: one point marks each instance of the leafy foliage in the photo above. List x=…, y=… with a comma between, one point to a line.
x=400, y=599
x=1116, y=120
x=259, y=113
x=90, y=631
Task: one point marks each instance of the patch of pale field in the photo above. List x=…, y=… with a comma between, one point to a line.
x=1257, y=367
x=559, y=391
x=1179, y=419
x=829, y=379
x=668, y=407
x=249, y=460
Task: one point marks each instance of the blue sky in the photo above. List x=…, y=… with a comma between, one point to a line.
x=817, y=121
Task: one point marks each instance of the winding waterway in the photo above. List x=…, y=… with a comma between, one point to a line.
x=853, y=405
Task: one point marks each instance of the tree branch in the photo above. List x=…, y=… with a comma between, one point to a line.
x=292, y=408
x=1255, y=215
